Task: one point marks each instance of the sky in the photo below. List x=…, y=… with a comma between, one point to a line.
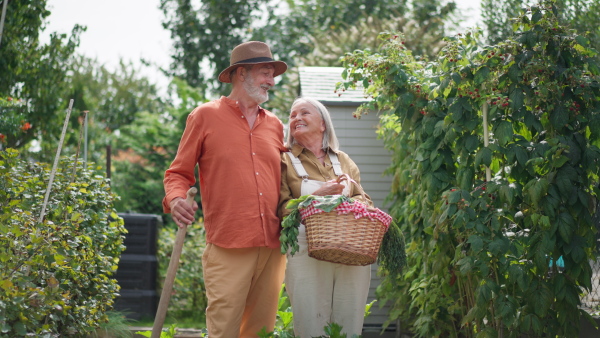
x=132, y=29
x=116, y=29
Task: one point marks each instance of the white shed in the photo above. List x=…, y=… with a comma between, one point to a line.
x=358, y=138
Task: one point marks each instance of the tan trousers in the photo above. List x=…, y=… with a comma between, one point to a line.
x=242, y=287
x=323, y=293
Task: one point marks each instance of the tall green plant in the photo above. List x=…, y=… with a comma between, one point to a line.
x=481, y=247
x=56, y=275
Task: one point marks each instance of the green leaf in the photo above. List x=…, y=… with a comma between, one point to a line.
x=481, y=75
x=498, y=246
x=476, y=243
x=521, y=154
x=517, y=274
x=538, y=190
x=484, y=156
x=456, y=78
x=559, y=116
x=537, y=16
x=471, y=143
x=516, y=98
x=514, y=73
x=465, y=265
x=484, y=294
x=560, y=161
x=454, y=196
x=542, y=298
x=582, y=40
x=504, y=132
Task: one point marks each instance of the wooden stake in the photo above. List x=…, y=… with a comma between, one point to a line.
x=78, y=147
x=486, y=138
x=165, y=295
x=60, y=143
x=4, y=3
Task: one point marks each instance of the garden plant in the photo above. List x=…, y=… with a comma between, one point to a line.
x=495, y=165
x=56, y=275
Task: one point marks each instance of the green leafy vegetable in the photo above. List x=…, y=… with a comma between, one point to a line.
x=392, y=253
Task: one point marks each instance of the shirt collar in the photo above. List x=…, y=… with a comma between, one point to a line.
x=298, y=149
x=233, y=103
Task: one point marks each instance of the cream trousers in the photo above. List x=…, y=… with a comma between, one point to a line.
x=323, y=292
x=242, y=287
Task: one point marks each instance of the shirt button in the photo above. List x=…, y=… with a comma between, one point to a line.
x=242, y=116
x=253, y=153
x=261, y=214
x=257, y=173
x=260, y=193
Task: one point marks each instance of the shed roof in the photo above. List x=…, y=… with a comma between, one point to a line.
x=319, y=83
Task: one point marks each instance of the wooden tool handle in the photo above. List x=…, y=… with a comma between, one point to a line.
x=165, y=296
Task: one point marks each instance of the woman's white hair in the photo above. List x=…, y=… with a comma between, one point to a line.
x=329, y=138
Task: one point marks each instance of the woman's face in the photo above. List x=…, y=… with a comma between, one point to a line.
x=306, y=123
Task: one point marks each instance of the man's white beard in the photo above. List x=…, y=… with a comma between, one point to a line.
x=254, y=91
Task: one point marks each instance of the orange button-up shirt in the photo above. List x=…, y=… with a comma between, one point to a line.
x=239, y=171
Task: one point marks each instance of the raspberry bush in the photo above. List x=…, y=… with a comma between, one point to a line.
x=486, y=216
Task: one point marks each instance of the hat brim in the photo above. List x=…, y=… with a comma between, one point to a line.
x=280, y=68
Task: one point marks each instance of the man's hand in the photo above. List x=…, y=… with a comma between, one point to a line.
x=330, y=188
x=182, y=212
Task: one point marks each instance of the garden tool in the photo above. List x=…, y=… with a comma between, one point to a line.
x=165, y=296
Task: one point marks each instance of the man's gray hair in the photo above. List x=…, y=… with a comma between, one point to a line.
x=232, y=72
x=329, y=138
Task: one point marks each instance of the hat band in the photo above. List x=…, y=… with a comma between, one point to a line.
x=255, y=60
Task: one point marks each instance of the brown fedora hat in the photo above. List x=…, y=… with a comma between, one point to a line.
x=248, y=53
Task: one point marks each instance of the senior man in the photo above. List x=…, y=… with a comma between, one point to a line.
x=236, y=145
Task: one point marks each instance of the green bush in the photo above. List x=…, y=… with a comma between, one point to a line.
x=55, y=276
x=488, y=207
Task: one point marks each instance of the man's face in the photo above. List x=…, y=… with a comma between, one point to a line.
x=258, y=81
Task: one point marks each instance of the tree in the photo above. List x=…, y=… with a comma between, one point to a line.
x=424, y=35
x=580, y=15
x=32, y=88
x=496, y=168
x=206, y=34
x=145, y=149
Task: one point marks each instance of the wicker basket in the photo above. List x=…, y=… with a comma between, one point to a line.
x=340, y=238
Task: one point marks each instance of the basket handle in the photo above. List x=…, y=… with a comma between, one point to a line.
x=346, y=177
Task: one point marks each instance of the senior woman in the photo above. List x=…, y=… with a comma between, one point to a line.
x=320, y=292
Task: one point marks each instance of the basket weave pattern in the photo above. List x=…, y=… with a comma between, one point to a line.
x=340, y=238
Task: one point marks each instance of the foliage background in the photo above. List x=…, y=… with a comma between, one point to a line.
x=142, y=127
x=481, y=246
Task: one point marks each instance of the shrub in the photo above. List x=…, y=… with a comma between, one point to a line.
x=55, y=275
x=496, y=167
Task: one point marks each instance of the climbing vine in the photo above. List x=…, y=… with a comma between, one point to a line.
x=495, y=165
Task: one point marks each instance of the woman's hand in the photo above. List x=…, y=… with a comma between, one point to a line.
x=330, y=188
